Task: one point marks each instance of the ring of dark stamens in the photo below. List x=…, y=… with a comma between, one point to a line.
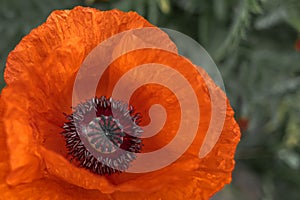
x=103, y=135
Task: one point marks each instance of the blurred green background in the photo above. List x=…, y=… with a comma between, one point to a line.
x=255, y=44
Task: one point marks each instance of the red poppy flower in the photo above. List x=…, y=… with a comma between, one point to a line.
x=297, y=45
x=40, y=74
x=243, y=123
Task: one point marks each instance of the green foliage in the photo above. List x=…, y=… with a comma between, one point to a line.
x=241, y=23
x=252, y=42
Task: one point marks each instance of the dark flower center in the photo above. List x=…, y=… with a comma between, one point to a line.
x=103, y=135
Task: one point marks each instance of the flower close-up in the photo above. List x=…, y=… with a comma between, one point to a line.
x=58, y=143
